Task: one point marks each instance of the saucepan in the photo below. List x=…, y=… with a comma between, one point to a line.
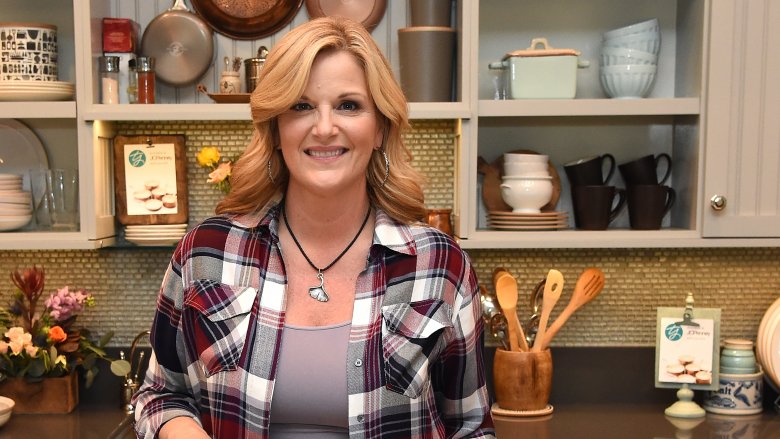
x=181, y=43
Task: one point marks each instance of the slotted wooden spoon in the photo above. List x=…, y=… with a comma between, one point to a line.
x=506, y=291
x=553, y=287
x=589, y=285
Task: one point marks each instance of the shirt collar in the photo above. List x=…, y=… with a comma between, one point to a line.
x=388, y=232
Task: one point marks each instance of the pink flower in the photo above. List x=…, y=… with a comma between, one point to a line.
x=221, y=173
x=3, y=347
x=63, y=304
x=31, y=350
x=15, y=332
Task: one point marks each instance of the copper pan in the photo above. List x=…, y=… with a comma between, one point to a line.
x=248, y=19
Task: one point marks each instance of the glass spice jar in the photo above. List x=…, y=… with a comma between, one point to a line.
x=109, y=79
x=132, y=82
x=144, y=66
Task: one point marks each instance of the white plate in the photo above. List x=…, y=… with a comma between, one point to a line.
x=170, y=235
x=35, y=95
x=13, y=222
x=15, y=209
x=772, y=354
x=11, y=186
x=15, y=199
x=154, y=241
x=38, y=85
x=21, y=150
x=768, y=324
x=5, y=178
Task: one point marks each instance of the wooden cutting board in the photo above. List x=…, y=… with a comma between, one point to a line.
x=150, y=179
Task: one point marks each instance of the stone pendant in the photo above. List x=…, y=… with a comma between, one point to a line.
x=318, y=292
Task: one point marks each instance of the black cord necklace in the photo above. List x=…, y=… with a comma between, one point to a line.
x=318, y=292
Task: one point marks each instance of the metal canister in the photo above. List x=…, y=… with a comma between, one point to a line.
x=252, y=67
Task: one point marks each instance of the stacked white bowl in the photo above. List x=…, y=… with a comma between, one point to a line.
x=629, y=59
x=15, y=203
x=527, y=183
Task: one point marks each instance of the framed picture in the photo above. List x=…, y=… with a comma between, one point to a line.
x=687, y=348
x=150, y=180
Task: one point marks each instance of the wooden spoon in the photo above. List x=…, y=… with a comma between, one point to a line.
x=506, y=291
x=553, y=287
x=589, y=285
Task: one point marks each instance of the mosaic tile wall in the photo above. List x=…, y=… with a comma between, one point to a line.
x=742, y=282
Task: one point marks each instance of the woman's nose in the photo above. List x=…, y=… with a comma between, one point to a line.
x=324, y=125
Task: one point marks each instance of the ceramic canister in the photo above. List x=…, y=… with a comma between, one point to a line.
x=737, y=394
x=28, y=52
x=737, y=357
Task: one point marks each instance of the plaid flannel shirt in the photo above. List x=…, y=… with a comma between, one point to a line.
x=414, y=368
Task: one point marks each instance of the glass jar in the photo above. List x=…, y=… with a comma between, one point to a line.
x=737, y=357
x=144, y=66
x=109, y=79
x=132, y=82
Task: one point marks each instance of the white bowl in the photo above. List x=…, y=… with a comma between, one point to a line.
x=621, y=55
x=526, y=195
x=13, y=222
x=627, y=80
x=766, y=331
x=6, y=408
x=647, y=26
x=530, y=169
x=535, y=158
x=644, y=42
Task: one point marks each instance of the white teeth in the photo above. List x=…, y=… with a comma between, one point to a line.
x=328, y=153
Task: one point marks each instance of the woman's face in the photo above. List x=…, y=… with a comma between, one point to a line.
x=327, y=137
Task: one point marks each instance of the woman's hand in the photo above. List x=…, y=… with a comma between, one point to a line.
x=182, y=427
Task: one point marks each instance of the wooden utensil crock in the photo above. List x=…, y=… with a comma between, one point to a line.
x=522, y=380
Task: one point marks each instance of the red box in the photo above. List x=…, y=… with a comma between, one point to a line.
x=120, y=35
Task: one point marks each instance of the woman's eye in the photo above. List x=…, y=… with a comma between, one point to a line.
x=349, y=106
x=301, y=106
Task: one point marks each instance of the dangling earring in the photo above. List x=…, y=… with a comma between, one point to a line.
x=270, y=174
x=387, y=166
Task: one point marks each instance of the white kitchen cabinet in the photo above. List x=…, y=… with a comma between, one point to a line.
x=58, y=126
x=742, y=114
x=680, y=117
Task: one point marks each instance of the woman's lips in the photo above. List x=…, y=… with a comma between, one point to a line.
x=325, y=153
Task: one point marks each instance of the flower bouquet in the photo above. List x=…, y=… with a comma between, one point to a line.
x=210, y=158
x=46, y=343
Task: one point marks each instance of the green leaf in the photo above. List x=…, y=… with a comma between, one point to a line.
x=89, y=361
x=120, y=367
x=89, y=377
x=105, y=339
x=37, y=368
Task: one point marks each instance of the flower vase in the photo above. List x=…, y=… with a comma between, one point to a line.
x=48, y=396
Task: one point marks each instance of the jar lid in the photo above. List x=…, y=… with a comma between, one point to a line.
x=109, y=63
x=540, y=47
x=144, y=64
x=738, y=343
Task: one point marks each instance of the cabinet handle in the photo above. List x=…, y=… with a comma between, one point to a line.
x=718, y=202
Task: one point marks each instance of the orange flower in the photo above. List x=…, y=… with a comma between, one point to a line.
x=57, y=335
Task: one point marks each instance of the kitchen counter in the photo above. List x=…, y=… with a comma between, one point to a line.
x=602, y=421
x=622, y=421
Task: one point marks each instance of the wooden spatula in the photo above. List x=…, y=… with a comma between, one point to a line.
x=553, y=287
x=589, y=285
x=506, y=292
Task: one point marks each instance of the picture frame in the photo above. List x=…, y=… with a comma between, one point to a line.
x=150, y=179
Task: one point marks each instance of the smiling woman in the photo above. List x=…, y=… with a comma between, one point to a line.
x=319, y=258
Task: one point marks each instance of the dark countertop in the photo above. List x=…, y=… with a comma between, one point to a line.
x=602, y=421
x=621, y=421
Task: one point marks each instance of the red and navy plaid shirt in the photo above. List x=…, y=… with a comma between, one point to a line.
x=415, y=367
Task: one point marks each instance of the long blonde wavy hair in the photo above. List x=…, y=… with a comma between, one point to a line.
x=282, y=82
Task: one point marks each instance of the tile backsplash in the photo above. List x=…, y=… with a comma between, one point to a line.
x=743, y=282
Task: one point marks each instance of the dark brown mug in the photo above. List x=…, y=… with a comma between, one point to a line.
x=589, y=171
x=644, y=170
x=648, y=204
x=595, y=207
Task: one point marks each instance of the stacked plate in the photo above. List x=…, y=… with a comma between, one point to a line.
x=36, y=90
x=15, y=203
x=768, y=344
x=527, y=221
x=155, y=235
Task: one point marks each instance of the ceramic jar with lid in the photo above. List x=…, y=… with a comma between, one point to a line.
x=737, y=357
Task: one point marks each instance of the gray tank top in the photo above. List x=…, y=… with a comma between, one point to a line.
x=310, y=393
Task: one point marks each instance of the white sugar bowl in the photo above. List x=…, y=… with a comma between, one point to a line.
x=526, y=194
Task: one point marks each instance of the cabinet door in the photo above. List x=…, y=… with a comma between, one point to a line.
x=743, y=120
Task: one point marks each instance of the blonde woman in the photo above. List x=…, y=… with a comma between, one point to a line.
x=316, y=304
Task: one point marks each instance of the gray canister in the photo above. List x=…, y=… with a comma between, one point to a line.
x=252, y=67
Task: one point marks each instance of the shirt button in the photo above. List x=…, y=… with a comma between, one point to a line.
x=360, y=418
x=358, y=362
